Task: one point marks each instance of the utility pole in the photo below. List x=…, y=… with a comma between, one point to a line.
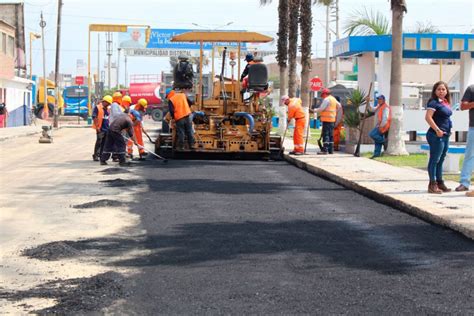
x=118, y=68
x=56, y=68
x=98, y=58
x=337, y=37
x=327, y=65
x=109, y=56
x=45, y=90
x=126, y=72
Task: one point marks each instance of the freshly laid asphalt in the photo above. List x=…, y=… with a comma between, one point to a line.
x=240, y=237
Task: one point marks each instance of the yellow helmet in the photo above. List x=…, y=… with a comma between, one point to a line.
x=143, y=102
x=126, y=98
x=117, y=97
x=108, y=99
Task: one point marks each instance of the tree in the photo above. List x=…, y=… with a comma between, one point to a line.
x=306, y=20
x=294, y=9
x=396, y=144
x=363, y=22
x=425, y=28
x=282, y=52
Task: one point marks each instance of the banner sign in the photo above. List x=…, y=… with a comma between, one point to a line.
x=161, y=39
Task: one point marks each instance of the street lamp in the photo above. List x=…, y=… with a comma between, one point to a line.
x=121, y=28
x=33, y=36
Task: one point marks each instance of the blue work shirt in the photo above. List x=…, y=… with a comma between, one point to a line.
x=442, y=114
x=105, y=121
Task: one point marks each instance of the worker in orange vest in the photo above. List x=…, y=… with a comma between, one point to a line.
x=100, y=123
x=295, y=111
x=328, y=112
x=383, y=115
x=141, y=106
x=137, y=131
x=338, y=125
x=126, y=102
x=180, y=111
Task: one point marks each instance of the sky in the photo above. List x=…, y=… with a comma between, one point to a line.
x=453, y=16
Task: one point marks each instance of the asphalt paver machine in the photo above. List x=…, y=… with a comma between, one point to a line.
x=231, y=121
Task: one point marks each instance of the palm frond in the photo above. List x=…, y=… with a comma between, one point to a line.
x=265, y=2
x=363, y=22
x=425, y=28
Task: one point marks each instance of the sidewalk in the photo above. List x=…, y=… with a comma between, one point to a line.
x=401, y=188
x=19, y=131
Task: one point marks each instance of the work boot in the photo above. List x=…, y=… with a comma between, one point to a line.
x=433, y=188
x=461, y=188
x=103, y=163
x=125, y=164
x=442, y=186
x=322, y=153
x=95, y=158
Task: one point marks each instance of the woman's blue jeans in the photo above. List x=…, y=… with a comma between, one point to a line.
x=438, y=149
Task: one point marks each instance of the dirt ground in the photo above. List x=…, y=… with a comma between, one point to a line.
x=54, y=192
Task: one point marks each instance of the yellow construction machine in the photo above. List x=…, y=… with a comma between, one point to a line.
x=227, y=125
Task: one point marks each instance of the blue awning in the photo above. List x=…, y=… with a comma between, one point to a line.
x=432, y=46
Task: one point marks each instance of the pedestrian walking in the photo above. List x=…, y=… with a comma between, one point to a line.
x=467, y=103
x=383, y=117
x=328, y=112
x=180, y=111
x=295, y=111
x=438, y=117
x=100, y=117
x=115, y=142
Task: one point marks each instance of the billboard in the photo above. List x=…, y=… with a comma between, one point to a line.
x=133, y=38
x=160, y=45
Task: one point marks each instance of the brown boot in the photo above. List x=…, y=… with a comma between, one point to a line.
x=433, y=188
x=442, y=186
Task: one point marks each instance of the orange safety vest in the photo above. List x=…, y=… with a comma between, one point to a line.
x=180, y=106
x=329, y=113
x=386, y=127
x=99, y=118
x=295, y=110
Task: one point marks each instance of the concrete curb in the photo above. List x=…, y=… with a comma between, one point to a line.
x=381, y=198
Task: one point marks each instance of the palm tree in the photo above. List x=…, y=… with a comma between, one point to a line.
x=425, y=28
x=396, y=144
x=282, y=53
x=294, y=9
x=363, y=22
x=306, y=20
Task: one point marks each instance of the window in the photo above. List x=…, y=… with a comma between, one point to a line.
x=4, y=43
x=11, y=46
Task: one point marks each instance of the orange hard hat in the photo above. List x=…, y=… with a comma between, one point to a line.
x=126, y=100
x=117, y=97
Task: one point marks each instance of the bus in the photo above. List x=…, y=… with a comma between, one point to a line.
x=75, y=101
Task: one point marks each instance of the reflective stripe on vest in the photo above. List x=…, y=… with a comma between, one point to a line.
x=329, y=113
x=295, y=110
x=100, y=117
x=180, y=106
x=383, y=129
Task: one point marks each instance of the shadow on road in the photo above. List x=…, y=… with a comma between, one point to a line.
x=332, y=242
